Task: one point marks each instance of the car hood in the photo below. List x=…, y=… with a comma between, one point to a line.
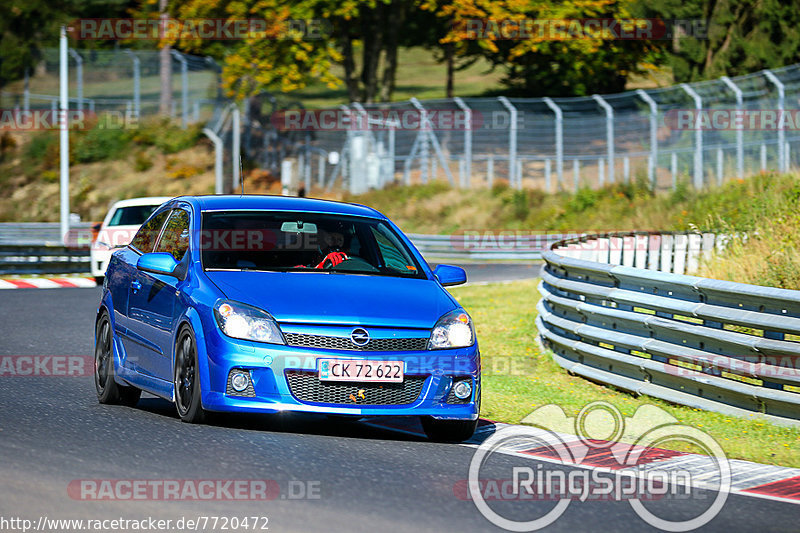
x=320, y=298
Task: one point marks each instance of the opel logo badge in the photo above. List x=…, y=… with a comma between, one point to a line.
x=359, y=336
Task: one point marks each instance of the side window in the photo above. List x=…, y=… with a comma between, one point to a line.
x=175, y=239
x=145, y=239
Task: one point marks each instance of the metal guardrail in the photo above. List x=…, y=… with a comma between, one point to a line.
x=488, y=245
x=619, y=309
x=22, y=259
x=44, y=234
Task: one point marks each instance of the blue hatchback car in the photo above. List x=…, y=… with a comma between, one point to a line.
x=268, y=304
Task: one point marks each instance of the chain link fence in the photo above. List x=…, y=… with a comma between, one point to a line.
x=702, y=132
x=121, y=81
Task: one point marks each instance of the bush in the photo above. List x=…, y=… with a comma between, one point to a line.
x=99, y=144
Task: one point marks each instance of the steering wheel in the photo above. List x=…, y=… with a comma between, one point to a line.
x=331, y=260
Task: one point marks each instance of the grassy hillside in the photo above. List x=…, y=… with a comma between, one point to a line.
x=158, y=158
x=766, y=207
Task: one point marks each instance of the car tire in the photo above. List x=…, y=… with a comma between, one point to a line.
x=448, y=430
x=186, y=379
x=108, y=390
x=99, y=280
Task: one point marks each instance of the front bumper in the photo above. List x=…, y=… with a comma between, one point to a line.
x=432, y=373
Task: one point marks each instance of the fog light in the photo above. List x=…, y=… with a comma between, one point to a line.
x=240, y=380
x=462, y=390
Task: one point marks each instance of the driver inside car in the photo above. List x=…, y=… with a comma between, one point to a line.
x=331, y=242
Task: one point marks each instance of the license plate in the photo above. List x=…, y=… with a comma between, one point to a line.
x=360, y=370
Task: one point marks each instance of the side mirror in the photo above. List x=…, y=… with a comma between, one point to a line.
x=450, y=275
x=158, y=263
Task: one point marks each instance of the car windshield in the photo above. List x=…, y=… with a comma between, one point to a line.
x=297, y=241
x=133, y=215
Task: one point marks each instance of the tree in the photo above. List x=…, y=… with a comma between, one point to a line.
x=539, y=64
x=743, y=36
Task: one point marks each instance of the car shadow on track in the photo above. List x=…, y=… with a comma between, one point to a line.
x=399, y=428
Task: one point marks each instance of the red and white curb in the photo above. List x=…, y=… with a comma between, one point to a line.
x=47, y=283
x=747, y=478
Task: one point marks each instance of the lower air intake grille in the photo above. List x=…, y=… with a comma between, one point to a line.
x=306, y=387
x=344, y=343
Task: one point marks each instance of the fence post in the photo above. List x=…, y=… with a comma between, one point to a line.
x=559, y=140
x=601, y=176
x=26, y=92
x=467, y=175
x=547, y=174
x=63, y=74
x=236, y=155
x=512, y=143
x=652, y=163
x=763, y=153
x=184, y=88
x=698, y=136
x=609, y=133
x=490, y=170
x=78, y=75
x=137, y=87
x=576, y=174
x=739, y=133
x=720, y=166
x=626, y=168
x=218, y=147
x=673, y=163
x=782, y=166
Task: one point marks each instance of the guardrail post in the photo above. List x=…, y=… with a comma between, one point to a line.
x=652, y=163
x=698, y=137
x=466, y=177
x=782, y=167
x=609, y=134
x=184, y=88
x=78, y=75
x=512, y=143
x=559, y=141
x=739, y=132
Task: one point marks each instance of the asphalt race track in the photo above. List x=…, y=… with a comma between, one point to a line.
x=360, y=477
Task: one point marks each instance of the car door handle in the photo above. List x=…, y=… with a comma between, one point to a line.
x=136, y=285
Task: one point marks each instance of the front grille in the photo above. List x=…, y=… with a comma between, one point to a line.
x=306, y=387
x=344, y=343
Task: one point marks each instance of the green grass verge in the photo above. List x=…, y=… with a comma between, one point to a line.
x=518, y=377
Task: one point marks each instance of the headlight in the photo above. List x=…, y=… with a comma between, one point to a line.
x=244, y=322
x=453, y=330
